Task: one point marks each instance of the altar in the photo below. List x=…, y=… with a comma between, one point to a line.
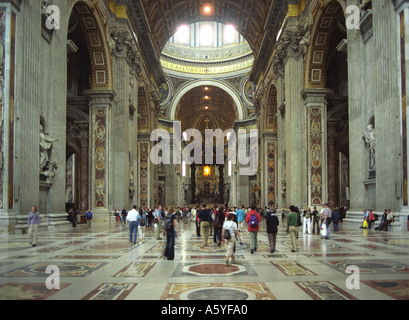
x=207, y=184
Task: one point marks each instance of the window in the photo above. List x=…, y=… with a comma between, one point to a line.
x=183, y=168
x=183, y=35
x=206, y=35
x=229, y=34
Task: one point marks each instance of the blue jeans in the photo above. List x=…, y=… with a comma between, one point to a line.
x=133, y=229
x=170, y=245
x=328, y=230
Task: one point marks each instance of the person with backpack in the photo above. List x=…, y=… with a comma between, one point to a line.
x=170, y=230
x=142, y=222
x=272, y=229
x=229, y=234
x=253, y=220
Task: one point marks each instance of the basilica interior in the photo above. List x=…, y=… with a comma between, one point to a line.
x=311, y=93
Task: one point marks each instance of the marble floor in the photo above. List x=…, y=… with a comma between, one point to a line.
x=99, y=263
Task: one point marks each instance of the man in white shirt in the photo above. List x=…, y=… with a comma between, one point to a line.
x=193, y=214
x=133, y=224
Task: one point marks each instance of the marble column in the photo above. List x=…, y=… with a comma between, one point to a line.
x=144, y=146
x=100, y=107
x=7, y=42
x=358, y=106
x=316, y=102
x=387, y=105
x=84, y=166
x=295, y=130
x=333, y=165
x=120, y=134
x=404, y=56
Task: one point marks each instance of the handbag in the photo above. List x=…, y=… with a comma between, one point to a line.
x=323, y=230
x=227, y=234
x=299, y=222
x=365, y=224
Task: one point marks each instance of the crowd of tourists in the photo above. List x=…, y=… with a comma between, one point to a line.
x=225, y=225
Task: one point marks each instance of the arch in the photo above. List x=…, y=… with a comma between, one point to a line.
x=318, y=59
x=96, y=41
x=195, y=84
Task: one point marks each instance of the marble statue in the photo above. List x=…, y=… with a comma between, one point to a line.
x=369, y=137
x=46, y=144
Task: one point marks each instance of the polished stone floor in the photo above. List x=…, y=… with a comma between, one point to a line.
x=99, y=263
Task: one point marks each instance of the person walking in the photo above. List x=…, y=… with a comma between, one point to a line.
x=240, y=218
x=218, y=225
x=292, y=227
x=307, y=220
x=158, y=222
x=193, y=214
x=336, y=217
x=71, y=218
x=133, y=224
x=123, y=215
x=315, y=220
x=204, y=221
x=142, y=222
x=230, y=238
x=253, y=220
x=272, y=229
x=327, y=215
x=33, y=223
x=171, y=233
x=116, y=214
x=88, y=217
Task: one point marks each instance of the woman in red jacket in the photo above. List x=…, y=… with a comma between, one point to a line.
x=253, y=219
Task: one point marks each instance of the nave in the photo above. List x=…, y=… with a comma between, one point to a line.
x=99, y=263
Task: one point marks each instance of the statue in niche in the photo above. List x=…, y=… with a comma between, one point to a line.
x=369, y=137
x=46, y=144
x=49, y=172
x=131, y=180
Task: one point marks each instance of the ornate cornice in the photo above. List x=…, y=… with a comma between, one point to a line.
x=139, y=22
x=277, y=15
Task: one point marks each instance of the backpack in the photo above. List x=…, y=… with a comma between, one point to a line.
x=142, y=223
x=168, y=222
x=253, y=220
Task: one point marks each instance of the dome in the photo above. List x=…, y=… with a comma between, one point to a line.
x=207, y=48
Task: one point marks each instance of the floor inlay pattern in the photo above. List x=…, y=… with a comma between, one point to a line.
x=99, y=263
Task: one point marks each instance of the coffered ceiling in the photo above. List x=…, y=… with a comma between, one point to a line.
x=206, y=108
x=155, y=21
